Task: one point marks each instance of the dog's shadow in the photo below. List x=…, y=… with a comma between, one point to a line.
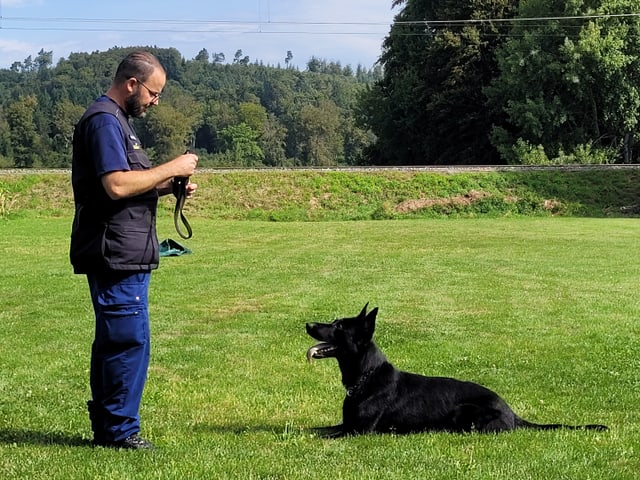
x=39, y=438
x=278, y=430
x=236, y=428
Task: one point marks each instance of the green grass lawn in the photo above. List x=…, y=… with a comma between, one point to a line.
x=542, y=310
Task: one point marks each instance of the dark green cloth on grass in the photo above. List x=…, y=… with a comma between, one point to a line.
x=171, y=248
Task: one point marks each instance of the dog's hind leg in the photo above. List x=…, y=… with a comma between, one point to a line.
x=495, y=425
x=480, y=418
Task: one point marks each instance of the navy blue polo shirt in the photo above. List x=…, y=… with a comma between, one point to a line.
x=109, y=152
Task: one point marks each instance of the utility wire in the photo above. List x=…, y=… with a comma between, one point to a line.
x=517, y=19
x=69, y=24
x=186, y=21
x=308, y=23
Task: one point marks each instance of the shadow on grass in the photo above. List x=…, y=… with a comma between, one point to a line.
x=29, y=437
x=238, y=429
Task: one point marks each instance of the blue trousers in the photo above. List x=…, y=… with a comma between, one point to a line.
x=119, y=354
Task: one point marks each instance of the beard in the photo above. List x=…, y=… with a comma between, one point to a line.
x=134, y=107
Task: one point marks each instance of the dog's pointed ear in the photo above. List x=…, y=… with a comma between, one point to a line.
x=363, y=313
x=370, y=322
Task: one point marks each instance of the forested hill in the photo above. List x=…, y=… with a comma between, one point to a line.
x=237, y=114
x=493, y=87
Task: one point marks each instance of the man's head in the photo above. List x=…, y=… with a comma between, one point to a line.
x=139, y=81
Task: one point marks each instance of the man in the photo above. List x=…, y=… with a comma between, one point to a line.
x=114, y=242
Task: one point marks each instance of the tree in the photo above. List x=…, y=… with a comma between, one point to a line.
x=25, y=141
x=270, y=134
x=44, y=60
x=569, y=84
x=203, y=56
x=65, y=116
x=272, y=142
x=242, y=144
x=239, y=59
x=606, y=64
x=254, y=115
x=320, y=139
x=172, y=125
x=429, y=107
x=5, y=142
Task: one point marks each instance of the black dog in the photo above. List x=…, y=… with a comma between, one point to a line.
x=381, y=398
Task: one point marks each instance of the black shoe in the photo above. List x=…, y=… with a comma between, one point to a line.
x=132, y=442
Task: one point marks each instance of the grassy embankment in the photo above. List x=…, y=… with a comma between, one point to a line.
x=313, y=195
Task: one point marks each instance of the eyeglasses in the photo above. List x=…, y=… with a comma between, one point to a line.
x=154, y=95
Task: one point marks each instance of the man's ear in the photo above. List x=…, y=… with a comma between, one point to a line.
x=131, y=84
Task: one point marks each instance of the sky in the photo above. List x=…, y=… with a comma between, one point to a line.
x=347, y=31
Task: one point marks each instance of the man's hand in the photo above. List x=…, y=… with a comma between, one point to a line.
x=191, y=189
x=185, y=165
x=128, y=183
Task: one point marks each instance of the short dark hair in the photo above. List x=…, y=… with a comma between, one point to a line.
x=139, y=65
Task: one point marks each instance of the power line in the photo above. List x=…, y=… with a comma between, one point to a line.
x=164, y=30
x=185, y=21
x=306, y=23
x=517, y=19
x=68, y=24
x=75, y=24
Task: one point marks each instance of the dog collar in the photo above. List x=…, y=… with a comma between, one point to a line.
x=353, y=391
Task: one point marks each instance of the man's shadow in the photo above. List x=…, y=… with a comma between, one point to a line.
x=32, y=437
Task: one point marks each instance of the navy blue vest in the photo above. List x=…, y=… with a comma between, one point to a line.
x=111, y=234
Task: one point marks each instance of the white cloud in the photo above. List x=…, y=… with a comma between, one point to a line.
x=21, y=3
x=10, y=50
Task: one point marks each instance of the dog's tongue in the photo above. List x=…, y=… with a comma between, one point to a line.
x=318, y=351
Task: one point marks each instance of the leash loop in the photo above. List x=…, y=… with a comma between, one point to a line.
x=180, y=192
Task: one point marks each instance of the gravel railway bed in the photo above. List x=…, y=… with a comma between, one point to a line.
x=416, y=168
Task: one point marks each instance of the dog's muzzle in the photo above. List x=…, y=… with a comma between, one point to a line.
x=321, y=350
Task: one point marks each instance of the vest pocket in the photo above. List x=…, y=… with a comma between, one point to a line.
x=138, y=160
x=128, y=245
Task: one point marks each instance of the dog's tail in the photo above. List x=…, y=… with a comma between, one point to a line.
x=521, y=423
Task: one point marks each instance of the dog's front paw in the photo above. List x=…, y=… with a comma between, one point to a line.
x=335, y=431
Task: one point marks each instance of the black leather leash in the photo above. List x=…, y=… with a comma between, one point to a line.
x=180, y=192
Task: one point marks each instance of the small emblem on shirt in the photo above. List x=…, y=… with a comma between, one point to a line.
x=136, y=143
